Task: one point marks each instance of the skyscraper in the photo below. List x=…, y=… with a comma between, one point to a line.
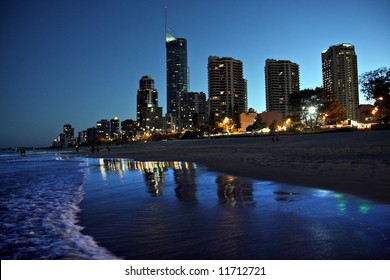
x=114, y=128
x=103, y=129
x=340, y=75
x=67, y=138
x=193, y=109
x=177, y=75
x=149, y=115
x=128, y=129
x=281, y=80
x=227, y=88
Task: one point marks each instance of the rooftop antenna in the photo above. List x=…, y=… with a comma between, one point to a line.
x=166, y=16
x=170, y=35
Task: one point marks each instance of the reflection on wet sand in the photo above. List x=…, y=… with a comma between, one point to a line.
x=154, y=175
x=283, y=196
x=152, y=210
x=185, y=181
x=234, y=191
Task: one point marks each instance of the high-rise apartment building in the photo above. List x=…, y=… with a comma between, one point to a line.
x=281, y=80
x=177, y=73
x=128, y=129
x=83, y=137
x=340, y=75
x=103, y=129
x=67, y=138
x=91, y=134
x=114, y=128
x=68, y=131
x=168, y=123
x=193, y=109
x=149, y=115
x=227, y=88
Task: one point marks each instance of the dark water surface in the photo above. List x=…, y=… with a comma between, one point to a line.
x=178, y=210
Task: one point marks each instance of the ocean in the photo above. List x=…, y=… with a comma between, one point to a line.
x=40, y=194
x=57, y=206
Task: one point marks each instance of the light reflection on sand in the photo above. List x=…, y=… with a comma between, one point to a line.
x=152, y=210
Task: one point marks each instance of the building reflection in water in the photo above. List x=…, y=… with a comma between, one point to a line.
x=154, y=175
x=185, y=180
x=234, y=191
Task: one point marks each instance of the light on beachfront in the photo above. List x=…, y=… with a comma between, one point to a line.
x=312, y=110
x=227, y=124
x=364, y=208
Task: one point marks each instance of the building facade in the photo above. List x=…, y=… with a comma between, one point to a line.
x=340, y=75
x=149, y=115
x=103, y=129
x=177, y=73
x=281, y=80
x=83, y=137
x=114, y=128
x=193, y=112
x=66, y=138
x=169, y=123
x=129, y=131
x=227, y=88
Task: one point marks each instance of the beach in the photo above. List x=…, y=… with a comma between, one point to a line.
x=220, y=198
x=349, y=162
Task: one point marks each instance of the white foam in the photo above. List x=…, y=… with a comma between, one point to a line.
x=39, y=201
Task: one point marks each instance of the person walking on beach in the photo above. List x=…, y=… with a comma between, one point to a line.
x=275, y=137
x=92, y=148
x=22, y=151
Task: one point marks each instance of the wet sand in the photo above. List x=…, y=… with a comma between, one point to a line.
x=350, y=162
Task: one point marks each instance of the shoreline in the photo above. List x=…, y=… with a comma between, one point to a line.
x=356, y=163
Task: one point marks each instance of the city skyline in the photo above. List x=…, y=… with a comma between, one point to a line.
x=70, y=62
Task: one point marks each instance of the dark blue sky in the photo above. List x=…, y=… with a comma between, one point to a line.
x=80, y=61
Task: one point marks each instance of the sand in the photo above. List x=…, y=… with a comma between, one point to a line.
x=349, y=162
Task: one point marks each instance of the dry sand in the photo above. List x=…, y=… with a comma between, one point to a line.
x=350, y=162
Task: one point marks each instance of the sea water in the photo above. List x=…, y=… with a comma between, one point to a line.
x=54, y=206
x=40, y=195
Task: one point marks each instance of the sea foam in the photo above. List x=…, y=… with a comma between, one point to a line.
x=39, y=201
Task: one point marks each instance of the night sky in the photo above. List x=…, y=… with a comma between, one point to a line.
x=80, y=61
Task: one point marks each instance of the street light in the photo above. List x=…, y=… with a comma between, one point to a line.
x=312, y=110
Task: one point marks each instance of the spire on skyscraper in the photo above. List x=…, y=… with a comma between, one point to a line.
x=169, y=37
x=169, y=34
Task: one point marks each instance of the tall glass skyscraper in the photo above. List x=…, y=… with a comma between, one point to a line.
x=340, y=75
x=177, y=75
